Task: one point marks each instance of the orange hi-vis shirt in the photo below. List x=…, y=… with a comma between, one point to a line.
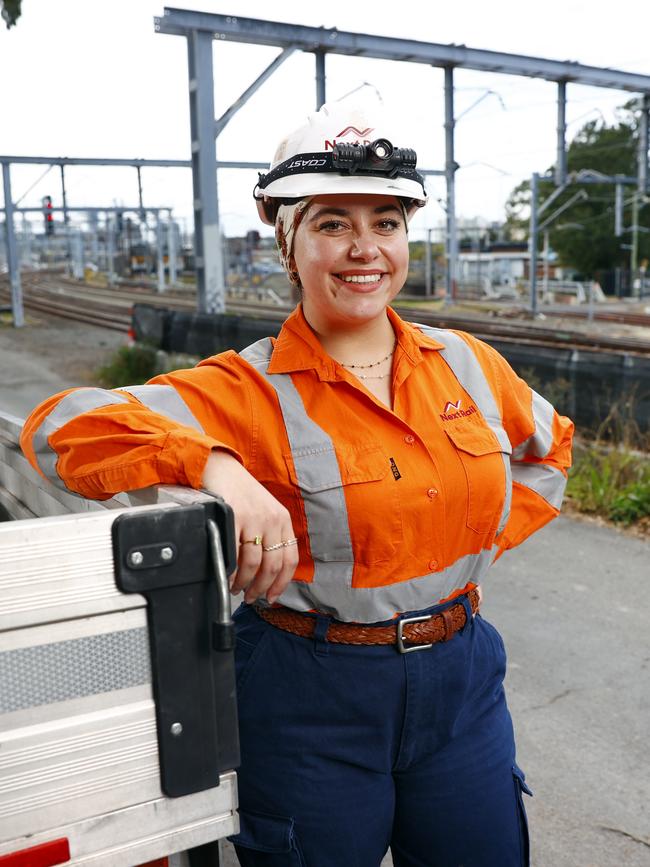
x=395, y=510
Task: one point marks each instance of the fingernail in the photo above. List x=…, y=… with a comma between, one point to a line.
x=272, y=598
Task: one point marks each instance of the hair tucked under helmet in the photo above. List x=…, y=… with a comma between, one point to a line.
x=287, y=220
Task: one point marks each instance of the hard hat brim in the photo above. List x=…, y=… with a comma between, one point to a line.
x=309, y=185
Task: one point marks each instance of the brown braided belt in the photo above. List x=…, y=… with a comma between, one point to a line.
x=421, y=632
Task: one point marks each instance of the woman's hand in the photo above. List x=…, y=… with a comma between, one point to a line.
x=257, y=513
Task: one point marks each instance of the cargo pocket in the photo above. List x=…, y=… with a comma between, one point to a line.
x=486, y=465
x=267, y=841
x=520, y=787
x=351, y=477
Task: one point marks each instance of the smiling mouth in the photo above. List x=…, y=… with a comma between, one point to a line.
x=360, y=278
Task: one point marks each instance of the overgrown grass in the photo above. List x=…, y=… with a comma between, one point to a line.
x=133, y=365
x=611, y=482
x=611, y=472
x=129, y=365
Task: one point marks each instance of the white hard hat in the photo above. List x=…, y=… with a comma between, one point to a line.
x=345, y=147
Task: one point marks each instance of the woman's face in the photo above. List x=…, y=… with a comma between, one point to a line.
x=351, y=252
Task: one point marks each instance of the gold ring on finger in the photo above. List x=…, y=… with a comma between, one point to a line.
x=256, y=541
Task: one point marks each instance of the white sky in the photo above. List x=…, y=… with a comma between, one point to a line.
x=92, y=79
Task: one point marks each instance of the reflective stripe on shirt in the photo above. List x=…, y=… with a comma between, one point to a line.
x=317, y=471
x=546, y=481
x=165, y=400
x=539, y=443
x=73, y=404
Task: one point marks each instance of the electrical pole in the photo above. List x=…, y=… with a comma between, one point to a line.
x=450, y=171
x=532, y=241
x=634, y=255
x=13, y=262
x=641, y=189
x=618, y=210
x=546, y=253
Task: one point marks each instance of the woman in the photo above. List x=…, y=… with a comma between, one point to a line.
x=376, y=469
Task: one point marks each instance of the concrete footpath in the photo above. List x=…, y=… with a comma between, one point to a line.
x=573, y=606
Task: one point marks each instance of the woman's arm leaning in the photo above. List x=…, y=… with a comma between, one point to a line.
x=192, y=427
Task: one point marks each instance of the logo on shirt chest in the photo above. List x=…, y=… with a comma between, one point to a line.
x=453, y=410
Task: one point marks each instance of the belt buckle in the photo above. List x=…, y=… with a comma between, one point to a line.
x=400, y=634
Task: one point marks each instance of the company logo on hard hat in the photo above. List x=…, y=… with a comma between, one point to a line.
x=362, y=136
x=452, y=410
x=359, y=132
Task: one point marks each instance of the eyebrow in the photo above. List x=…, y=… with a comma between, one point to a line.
x=343, y=212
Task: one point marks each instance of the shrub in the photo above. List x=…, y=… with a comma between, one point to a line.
x=611, y=482
x=130, y=365
x=632, y=504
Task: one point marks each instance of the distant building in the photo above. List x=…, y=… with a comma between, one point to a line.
x=503, y=263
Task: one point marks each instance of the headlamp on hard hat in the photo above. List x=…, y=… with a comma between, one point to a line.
x=311, y=162
x=379, y=156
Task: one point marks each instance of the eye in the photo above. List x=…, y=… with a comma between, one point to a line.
x=331, y=226
x=388, y=225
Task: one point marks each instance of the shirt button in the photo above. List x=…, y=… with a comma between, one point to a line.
x=410, y=439
x=433, y=565
x=431, y=493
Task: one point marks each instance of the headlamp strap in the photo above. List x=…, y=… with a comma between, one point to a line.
x=318, y=163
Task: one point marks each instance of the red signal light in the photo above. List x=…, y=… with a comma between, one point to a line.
x=46, y=202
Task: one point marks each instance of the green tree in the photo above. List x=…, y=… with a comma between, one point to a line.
x=10, y=10
x=609, y=150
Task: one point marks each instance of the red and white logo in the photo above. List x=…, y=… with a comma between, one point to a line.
x=453, y=410
x=362, y=133
x=360, y=136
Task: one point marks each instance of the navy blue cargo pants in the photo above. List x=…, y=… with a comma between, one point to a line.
x=347, y=750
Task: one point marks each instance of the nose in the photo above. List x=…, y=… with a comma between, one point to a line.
x=364, y=247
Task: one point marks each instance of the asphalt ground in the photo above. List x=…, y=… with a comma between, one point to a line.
x=48, y=355
x=573, y=606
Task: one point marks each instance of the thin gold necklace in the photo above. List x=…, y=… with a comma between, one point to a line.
x=373, y=364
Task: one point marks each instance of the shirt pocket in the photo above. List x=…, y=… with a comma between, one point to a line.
x=351, y=508
x=486, y=463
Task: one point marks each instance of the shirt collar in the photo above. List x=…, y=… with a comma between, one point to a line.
x=298, y=348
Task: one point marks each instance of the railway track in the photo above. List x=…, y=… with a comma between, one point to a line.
x=111, y=308
x=623, y=317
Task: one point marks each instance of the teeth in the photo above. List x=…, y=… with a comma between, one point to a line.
x=361, y=278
